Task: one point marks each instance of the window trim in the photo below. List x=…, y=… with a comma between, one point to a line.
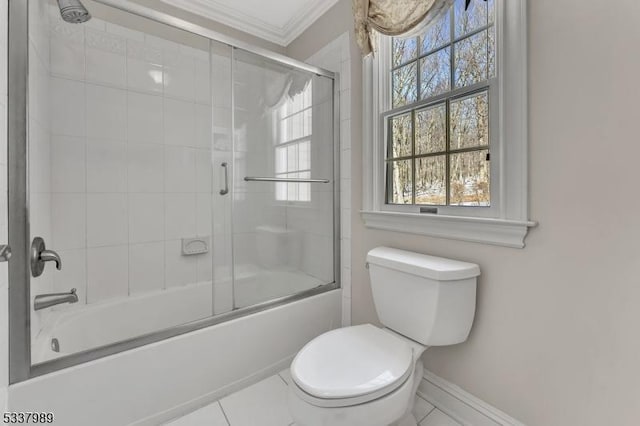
x=509, y=222
x=278, y=119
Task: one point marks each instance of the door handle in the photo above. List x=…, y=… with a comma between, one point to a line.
x=225, y=190
x=5, y=252
x=40, y=255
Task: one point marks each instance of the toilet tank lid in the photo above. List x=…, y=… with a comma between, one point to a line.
x=435, y=268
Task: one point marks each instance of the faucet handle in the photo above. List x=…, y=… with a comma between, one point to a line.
x=51, y=256
x=40, y=255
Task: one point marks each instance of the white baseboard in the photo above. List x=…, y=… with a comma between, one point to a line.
x=460, y=404
x=204, y=400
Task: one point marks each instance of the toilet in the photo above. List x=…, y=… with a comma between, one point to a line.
x=366, y=375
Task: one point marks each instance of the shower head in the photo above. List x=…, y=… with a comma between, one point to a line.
x=73, y=11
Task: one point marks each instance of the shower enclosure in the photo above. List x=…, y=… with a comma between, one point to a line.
x=181, y=178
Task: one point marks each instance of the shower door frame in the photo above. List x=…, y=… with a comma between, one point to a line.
x=20, y=366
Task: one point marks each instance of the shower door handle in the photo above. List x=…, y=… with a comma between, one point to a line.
x=225, y=190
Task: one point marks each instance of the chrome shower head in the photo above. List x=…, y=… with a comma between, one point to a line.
x=73, y=11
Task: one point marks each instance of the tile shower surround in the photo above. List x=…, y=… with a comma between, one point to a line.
x=130, y=159
x=130, y=162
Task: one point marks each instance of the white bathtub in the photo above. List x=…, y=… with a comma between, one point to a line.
x=78, y=328
x=84, y=327
x=154, y=383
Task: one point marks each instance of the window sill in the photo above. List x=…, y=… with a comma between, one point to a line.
x=500, y=232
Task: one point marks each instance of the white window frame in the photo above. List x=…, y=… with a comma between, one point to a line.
x=506, y=222
x=281, y=143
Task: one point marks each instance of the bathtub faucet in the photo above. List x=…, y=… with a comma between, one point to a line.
x=42, y=301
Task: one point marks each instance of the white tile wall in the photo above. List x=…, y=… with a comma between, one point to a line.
x=68, y=169
x=146, y=218
x=67, y=50
x=179, y=123
x=68, y=218
x=106, y=166
x=146, y=267
x=70, y=120
x=105, y=58
x=129, y=158
x=107, y=220
x=180, y=270
x=336, y=57
x=144, y=112
x=145, y=168
x=106, y=112
x=107, y=272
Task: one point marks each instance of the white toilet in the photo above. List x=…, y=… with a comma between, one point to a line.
x=368, y=376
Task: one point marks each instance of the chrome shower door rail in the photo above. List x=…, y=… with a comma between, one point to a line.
x=288, y=180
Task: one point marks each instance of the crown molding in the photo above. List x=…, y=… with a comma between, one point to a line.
x=230, y=16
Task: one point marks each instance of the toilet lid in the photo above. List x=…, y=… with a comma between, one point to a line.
x=352, y=361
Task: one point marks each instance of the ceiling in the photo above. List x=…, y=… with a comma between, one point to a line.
x=278, y=21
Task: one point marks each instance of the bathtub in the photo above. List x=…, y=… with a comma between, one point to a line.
x=78, y=328
x=151, y=384
x=84, y=327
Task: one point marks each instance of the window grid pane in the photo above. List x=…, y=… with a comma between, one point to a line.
x=431, y=129
x=447, y=160
x=405, y=85
x=435, y=76
x=401, y=136
x=400, y=182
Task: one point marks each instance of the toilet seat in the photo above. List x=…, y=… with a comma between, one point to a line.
x=351, y=365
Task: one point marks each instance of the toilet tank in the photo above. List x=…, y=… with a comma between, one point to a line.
x=429, y=299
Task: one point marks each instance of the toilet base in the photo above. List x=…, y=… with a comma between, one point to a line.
x=380, y=412
x=408, y=419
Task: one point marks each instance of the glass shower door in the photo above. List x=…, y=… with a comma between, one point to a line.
x=170, y=180
x=120, y=179
x=283, y=190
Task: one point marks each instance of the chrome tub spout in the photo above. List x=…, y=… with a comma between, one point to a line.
x=43, y=301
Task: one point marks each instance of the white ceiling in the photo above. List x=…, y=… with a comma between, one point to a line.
x=278, y=21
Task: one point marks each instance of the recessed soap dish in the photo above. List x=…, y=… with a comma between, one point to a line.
x=191, y=246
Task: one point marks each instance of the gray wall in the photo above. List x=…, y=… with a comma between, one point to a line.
x=555, y=340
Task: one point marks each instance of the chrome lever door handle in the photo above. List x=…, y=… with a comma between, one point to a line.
x=225, y=190
x=40, y=255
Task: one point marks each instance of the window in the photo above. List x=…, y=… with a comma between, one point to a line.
x=438, y=141
x=293, y=148
x=445, y=130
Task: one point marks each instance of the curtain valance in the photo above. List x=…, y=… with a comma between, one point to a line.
x=393, y=17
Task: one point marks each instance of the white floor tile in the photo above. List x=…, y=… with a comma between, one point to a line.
x=211, y=415
x=286, y=375
x=438, y=418
x=264, y=404
x=421, y=408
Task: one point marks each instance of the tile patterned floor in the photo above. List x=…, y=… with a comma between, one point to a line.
x=265, y=404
